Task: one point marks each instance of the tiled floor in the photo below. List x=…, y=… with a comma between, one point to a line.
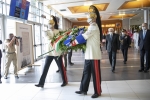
x=111, y=90
x=125, y=84
x=127, y=71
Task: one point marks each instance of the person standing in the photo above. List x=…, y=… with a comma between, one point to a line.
x=52, y=55
x=69, y=57
x=0, y=62
x=112, y=45
x=11, y=54
x=135, y=39
x=125, y=42
x=144, y=46
x=92, y=37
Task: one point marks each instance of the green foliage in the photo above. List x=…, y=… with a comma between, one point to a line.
x=63, y=47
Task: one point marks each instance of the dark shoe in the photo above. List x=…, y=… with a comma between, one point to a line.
x=125, y=62
x=95, y=96
x=141, y=70
x=5, y=77
x=81, y=92
x=145, y=71
x=57, y=71
x=37, y=85
x=71, y=63
x=113, y=71
x=16, y=77
x=0, y=81
x=64, y=84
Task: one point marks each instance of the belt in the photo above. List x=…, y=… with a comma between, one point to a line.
x=10, y=52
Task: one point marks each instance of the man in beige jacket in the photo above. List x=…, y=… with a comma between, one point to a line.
x=11, y=54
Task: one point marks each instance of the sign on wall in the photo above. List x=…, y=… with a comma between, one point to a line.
x=25, y=49
x=19, y=8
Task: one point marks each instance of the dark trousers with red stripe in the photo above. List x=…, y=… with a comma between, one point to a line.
x=91, y=67
x=60, y=65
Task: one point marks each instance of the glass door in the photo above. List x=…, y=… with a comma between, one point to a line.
x=37, y=42
x=44, y=40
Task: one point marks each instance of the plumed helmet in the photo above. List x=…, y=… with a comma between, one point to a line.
x=94, y=14
x=53, y=21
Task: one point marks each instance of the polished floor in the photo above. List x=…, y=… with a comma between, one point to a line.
x=127, y=71
x=111, y=90
x=125, y=84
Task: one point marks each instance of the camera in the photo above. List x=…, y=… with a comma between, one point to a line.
x=18, y=37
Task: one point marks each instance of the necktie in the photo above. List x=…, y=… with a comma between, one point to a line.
x=144, y=34
x=110, y=37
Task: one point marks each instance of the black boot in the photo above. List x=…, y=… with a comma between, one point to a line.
x=57, y=71
x=71, y=63
x=38, y=85
x=95, y=96
x=81, y=92
x=63, y=84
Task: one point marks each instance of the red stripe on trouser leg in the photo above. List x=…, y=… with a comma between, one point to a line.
x=99, y=71
x=97, y=74
x=64, y=72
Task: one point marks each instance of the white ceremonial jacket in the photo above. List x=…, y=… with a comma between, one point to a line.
x=50, y=34
x=92, y=35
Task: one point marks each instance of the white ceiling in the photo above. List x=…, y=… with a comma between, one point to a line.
x=111, y=9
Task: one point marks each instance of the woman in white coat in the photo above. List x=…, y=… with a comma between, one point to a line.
x=52, y=55
x=135, y=39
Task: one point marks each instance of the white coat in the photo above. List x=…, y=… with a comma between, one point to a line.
x=136, y=39
x=50, y=34
x=92, y=35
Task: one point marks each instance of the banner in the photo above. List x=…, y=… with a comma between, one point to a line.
x=19, y=8
x=25, y=48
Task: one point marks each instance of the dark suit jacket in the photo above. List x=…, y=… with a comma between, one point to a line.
x=125, y=41
x=112, y=44
x=144, y=43
x=0, y=50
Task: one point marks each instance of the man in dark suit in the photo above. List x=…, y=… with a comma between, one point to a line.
x=144, y=46
x=125, y=42
x=112, y=45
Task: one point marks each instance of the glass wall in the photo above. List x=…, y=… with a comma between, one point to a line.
x=35, y=18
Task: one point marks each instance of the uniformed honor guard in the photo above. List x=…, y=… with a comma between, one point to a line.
x=11, y=54
x=92, y=53
x=125, y=42
x=52, y=55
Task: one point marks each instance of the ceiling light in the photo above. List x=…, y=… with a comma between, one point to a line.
x=88, y=3
x=121, y=13
x=62, y=9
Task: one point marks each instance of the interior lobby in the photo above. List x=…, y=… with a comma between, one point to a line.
x=126, y=83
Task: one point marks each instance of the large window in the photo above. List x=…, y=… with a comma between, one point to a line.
x=35, y=18
x=0, y=7
x=37, y=42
